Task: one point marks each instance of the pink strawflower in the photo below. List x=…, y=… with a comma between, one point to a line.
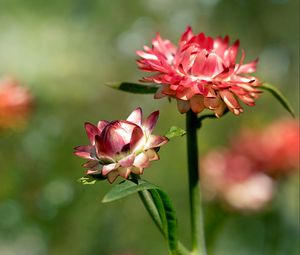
x=15, y=103
x=245, y=175
x=233, y=178
x=200, y=73
x=121, y=147
x=274, y=149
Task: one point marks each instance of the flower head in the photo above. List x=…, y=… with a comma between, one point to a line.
x=274, y=149
x=245, y=175
x=15, y=103
x=233, y=178
x=121, y=147
x=200, y=73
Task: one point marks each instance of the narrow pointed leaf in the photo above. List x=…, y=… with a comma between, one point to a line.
x=279, y=96
x=125, y=189
x=151, y=207
x=175, y=132
x=168, y=217
x=134, y=87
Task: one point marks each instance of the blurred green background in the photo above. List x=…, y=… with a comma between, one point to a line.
x=65, y=51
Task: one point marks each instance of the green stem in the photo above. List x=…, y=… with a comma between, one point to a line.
x=197, y=228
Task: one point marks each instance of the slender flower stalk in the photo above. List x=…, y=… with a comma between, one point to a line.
x=197, y=227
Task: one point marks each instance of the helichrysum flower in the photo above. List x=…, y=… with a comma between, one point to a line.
x=15, y=103
x=245, y=175
x=233, y=178
x=121, y=147
x=200, y=73
x=278, y=144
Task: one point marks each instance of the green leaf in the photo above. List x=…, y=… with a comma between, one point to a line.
x=125, y=189
x=87, y=180
x=168, y=217
x=158, y=205
x=174, y=132
x=279, y=96
x=134, y=87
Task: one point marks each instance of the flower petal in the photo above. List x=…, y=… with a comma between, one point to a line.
x=187, y=35
x=136, y=116
x=137, y=170
x=124, y=172
x=150, y=122
x=230, y=101
x=94, y=171
x=152, y=155
x=141, y=160
x=213, y=65
x=220, y=109
x=137, y=137
x=101, y=125
x=112, y=176
x=212, y=103
x=85, y=151
x=127, y=161
x=155, y=141
x=248, y=68
x=112, y=139
x=231, y=53
x=183, y=106
x=91, y=131
x=159, y=93
x=91, y=164
x=108, y=168
x=197, y=103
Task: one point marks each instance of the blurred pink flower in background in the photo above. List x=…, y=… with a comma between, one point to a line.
x=121, y=147
x=275, y=149
x=15, y=103
x=200, y=73
x=245, y=175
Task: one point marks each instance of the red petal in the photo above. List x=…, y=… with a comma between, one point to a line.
x=220, y=109
x=101, y=125
x=124, y=172
x=248, y=68
x=91, y=131
x=231, y=53
x=109, y=144
x=152, y=155
x=229, y=100
x=141, y=160
x=187, y=35
x=127, y=161
x=145, y=55
x=87, y=151
x=112, y=176
x=150, y=122
x=155, y=141
x=109, y=168
x=183, y=106
x=136, y=116
x=136, y=137
x=212, y=66
x=212, y=103
x=199, y=63
x=197, y=104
